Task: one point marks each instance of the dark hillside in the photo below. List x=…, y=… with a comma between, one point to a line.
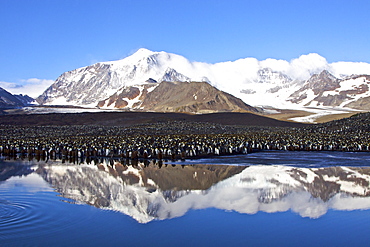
x=133, y=118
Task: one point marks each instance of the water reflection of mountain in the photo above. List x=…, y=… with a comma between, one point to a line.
x=8, y=170
x=151, y=192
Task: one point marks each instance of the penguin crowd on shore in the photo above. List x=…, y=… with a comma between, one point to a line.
x=180, y=140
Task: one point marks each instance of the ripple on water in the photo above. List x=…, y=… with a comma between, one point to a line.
x=12, y=213
x=26, y=215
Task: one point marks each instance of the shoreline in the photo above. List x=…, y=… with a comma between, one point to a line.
x=168, y=160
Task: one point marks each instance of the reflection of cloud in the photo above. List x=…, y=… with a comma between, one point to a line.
x=345, y=202
x=31, y=183
x=246, y=202
x=306, y=206
x=32, y=87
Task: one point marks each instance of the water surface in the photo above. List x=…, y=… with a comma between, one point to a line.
x=260, y=199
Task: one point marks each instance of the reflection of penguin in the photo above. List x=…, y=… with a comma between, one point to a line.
x=134, y=155
x=145, y=155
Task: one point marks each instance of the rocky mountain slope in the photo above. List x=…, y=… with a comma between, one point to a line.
x=306, y=81
x=9, y=100
x=193, y=97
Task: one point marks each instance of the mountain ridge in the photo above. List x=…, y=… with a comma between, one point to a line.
x=275, y=83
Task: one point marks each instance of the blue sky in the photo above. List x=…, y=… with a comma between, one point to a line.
x=41, y=39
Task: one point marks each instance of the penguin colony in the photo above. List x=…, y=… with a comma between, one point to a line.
x=180, y=140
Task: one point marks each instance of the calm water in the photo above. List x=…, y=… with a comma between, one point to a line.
x=261, y=199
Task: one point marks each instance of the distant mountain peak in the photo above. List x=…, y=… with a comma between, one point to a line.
x=12, y=100
x=172, y=75
x=142, y=53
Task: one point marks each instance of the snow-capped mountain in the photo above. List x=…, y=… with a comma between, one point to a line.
x=151, y=192
x=12, y=100
x=272, y=82
x=89, y=85
x=324, y=89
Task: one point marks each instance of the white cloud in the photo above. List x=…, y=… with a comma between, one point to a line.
x=303, y=67
x=7, y=85
x=32, y=87
x=276, y=65
x=349, y=68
